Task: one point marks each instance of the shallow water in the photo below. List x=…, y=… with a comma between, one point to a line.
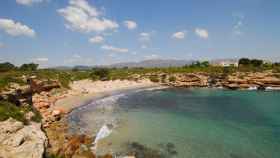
x=198, y=122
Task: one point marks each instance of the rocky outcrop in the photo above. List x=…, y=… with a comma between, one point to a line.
x=38, y=86
x=247, y=80
x=44, y=103
x=188, y=80
x=20, y=141
x=17, y=94
x=239, y=80
x=22, y=94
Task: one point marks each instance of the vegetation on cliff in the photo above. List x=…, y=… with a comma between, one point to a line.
x=8, y=110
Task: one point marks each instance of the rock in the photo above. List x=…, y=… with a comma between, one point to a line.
x=190, y=80
x=29, y=115
x=57, y=112
x=38, y=86
x=19, y=141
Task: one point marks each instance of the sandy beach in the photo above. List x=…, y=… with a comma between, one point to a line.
x=83, y=91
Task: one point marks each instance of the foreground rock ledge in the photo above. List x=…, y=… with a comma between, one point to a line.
x=20, y=141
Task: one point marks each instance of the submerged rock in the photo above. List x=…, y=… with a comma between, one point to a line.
x=19, y=141
x=135, y=149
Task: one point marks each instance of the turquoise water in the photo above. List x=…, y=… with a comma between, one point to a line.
x=198, y=123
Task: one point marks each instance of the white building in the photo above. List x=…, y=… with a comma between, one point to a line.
x=228, y=64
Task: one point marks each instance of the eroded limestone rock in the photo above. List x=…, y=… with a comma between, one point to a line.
x=18, y=140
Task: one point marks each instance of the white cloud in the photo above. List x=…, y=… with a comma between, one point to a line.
x=84, y=5
x=77, y=56
x=202, y=33
x=144, y=37
x=130, y=24
x=152, y=56
x=16, y=28
x=179, y=35
x=144, y=46
x=237, y=27
x=81, y=16
x=96, y=39
x=41, y=59
x=28, y=2
x=114, y=49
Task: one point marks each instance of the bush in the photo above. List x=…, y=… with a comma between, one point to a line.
x=5, y=80
x=154, y=79
x=6, y=67
x=102, y=73
x=8, y=110
x=172, y=79
x=276, y=70
x=256, y=62
x=94, y=77
x=79, y=75
x=252, y=63
x=29, y=67
x=52, y=156
x=64, y=80
x=244, y=61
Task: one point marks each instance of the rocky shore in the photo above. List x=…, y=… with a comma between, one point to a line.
x=240, y=80
x=51, y=136
x=18, y=140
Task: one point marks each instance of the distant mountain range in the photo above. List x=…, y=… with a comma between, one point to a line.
x=145, y=64
x=153, y=63
x=160, y=63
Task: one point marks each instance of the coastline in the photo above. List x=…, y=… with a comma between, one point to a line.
x=76, y=97
x=55, y=105
x=82, y=92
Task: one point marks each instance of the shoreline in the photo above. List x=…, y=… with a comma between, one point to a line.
x=56, y=104
x=58, y=131
x=71, y=102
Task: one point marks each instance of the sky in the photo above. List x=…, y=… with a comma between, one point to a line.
x=94, y=32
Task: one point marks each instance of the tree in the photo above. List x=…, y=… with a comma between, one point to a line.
x=172, y=79
x=205, y=64
x=276, y=64
x=101, y=73
x=195, y=64
x=244, y=62
x=29, y=67
x=6, y=67
x=256, y=62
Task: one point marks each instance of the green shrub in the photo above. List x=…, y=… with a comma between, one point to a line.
x=102, y=73
x=4, y=67
x=29, y=67
x=276, y=69
x=64, y=80
x=154, y=79
x=94, y=77
x=52, y=156
x=172, y=79
x=80, y=75
x=6, y=79
x=8, y=110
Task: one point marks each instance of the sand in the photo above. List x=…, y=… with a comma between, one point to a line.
x=84, y=91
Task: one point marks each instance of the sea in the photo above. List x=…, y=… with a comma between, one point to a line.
x=183, y=123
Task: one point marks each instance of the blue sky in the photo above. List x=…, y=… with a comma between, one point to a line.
x=90, y=32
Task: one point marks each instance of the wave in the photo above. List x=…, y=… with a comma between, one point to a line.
x=104, y=132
